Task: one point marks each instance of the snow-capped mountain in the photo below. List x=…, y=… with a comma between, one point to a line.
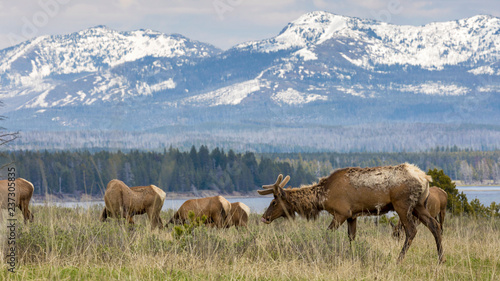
x=431, y=46
x=40, y=67
x=320, y=70
x=95, y=49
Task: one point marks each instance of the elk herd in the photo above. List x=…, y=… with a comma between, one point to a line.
x=345, y=194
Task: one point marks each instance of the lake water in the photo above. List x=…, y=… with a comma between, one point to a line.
x=485, y=194
x=256, y=204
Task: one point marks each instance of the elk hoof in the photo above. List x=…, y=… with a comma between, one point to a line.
x=442, y=260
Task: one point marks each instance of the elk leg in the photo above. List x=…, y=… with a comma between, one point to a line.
x=159, y=222
x=104, y=215
x=410, y=230
x=152, y=218
x=155, y=219
x=441, y=219
x=423, y=215
x=129, y=219
x=26, y=213
x=175, y=220
x=351, y=228
x=124, y=213
x=337, y=221
x=397, y=229
x=219, y=221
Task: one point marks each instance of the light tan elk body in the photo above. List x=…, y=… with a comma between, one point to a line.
x=23, y=193
x=238, y=215
x=436, y=205
x=352, y=192
x=123, y=201
x=215, y=208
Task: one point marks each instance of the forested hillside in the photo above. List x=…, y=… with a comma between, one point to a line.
x=225, y=172
x=172, y=170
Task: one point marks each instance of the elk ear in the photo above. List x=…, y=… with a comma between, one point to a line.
x=281, y=193
x=265, y=191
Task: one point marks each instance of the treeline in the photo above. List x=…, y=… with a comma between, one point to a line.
x=226, y=172
x=172, y=170
x=467, y=166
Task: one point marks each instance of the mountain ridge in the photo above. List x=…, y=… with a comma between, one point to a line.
x=321, y=70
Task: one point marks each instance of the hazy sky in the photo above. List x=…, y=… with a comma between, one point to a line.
x=222, y=23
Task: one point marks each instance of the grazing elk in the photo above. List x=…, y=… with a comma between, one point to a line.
x=435, y=204
x=23, y=192
x=238, y=216
x=352, y=192
x=215, y=208
x=123, y=201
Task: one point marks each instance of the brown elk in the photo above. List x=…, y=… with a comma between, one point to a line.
x=352, y=192
x=123, y=201
x=215, y=208
x=436, y=204
x=238, y=215
x=23, y=192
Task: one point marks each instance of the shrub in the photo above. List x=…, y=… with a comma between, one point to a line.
x=457, y=202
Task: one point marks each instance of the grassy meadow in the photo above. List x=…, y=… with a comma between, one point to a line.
x=72, y=244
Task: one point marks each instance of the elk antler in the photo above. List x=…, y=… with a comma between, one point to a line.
x=274, y=188
x=285, y=181
x=278, y=181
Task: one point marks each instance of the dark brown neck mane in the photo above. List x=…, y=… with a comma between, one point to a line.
x=307, y=201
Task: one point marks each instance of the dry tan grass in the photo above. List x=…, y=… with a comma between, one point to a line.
x=71, y=244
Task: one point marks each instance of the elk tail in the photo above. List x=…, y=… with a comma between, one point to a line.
x=426, y=200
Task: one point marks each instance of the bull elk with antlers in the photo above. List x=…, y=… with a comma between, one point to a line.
x=352, y=192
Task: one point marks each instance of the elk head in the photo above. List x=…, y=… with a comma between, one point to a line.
x=279, y=206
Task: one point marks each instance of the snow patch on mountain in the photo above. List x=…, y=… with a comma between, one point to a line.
x=489, y=88
x=230, y=95
x=106, y=87
x=291, y=96
x=436, y=89
x=362, y=61
x=39, y=101
x=145, y=89
x=484, y=70
x=306, y=54
x=355, y=90
x=9, y=55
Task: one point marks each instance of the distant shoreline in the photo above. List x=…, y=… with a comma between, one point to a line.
x=459, y=183
x=62, y=197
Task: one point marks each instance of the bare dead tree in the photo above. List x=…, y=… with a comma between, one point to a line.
x=6, y=137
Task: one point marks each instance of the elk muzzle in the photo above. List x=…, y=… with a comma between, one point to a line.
x=265, y=220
